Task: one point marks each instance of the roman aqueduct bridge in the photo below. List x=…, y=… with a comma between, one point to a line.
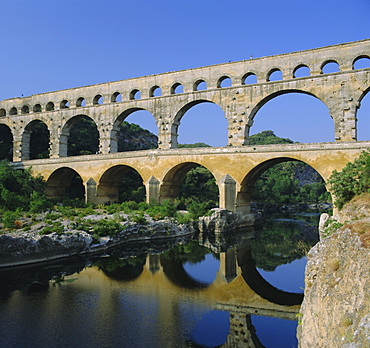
x=239, y=88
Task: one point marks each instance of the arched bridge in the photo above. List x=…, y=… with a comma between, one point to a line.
x=239, y=88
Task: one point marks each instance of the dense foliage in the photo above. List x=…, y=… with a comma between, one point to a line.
x=20, y=190
x=353, y=180
x=132, y=137
x=83, y=138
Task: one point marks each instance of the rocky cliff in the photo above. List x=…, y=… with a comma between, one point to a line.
x=336, y=307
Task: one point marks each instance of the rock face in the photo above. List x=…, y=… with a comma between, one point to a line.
x=336, y=306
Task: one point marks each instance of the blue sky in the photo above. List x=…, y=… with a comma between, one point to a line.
x=51, y=45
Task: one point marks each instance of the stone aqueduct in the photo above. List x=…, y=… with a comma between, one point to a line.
x=167, y=97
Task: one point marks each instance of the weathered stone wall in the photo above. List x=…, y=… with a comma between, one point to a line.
x=336, y=307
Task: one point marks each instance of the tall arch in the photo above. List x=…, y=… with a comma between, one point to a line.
x=363, y=117
x=293, y=114
x=83, y=140
x=65, y=183
x=6, y=143
x=35, y=140
x=128, y=137
x=198, y=120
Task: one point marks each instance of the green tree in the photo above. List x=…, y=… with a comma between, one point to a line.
x=353, y=180
x=19, y=189
x=83, y=138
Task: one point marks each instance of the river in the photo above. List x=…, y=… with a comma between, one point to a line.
x=240, y=289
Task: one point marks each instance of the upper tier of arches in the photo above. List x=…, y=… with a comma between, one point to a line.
x=344, y=57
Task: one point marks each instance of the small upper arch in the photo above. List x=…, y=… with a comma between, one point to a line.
x=275, y=74
x=249, y=78
x=25, y=109
x=155, y=91
x=224, y=81
x=64, y=104
x=177, y=88
x=361, y=62
x=135, y=94
x=50, y=106
x=301, y=70
x=37, y=108
x=13, y=111
x=80, y=102
x=2, y=112
x=329, y=66
x=200, y=85
x=98, y=100
x=116, y=97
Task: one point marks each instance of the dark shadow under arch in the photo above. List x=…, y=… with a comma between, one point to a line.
x=6, y=143
x=120, y=183
x=65, y=183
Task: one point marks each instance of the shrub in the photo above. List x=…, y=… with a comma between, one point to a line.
x=353, y=180
x=107, y=228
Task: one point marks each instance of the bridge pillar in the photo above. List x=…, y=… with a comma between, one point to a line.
x=91, y=191
x=17, y=149
x=227, y=187
x=152, y=190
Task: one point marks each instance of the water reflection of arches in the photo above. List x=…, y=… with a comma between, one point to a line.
x=259, y=285
x=175, y=272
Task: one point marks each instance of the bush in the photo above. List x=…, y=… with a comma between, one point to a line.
x=353, y=180
x=107, y=228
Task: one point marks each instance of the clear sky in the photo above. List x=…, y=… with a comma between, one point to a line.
x=51, y=45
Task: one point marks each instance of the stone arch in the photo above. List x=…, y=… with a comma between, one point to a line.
x=177, y=88
x=13, y=111
x=25, y=109
x=108, y=190
x=224, y=81
x=329, y=66
x=37, y=108
x=116, y=97
x=182, y=111
x=114, y=135
x=6, y=143
x=365, y=58
x=249, y=78
x=275, y=74
x=363, y=116
x=135, y=94
x=64, y=104
x=50, y=106
x=80, y=102
x=200, y=85
x=271, y=96
x=243, y=196
x=65, y=183
x=301, y=70
x=98, y=100
x=155, y=91
x=2, y=112
x=172, y=181
x=35, y=140
x=65, y=133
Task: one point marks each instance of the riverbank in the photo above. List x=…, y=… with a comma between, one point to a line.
x=336, y=306
x=54, y=237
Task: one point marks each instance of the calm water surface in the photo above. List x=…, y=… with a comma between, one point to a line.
x=227, y=290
